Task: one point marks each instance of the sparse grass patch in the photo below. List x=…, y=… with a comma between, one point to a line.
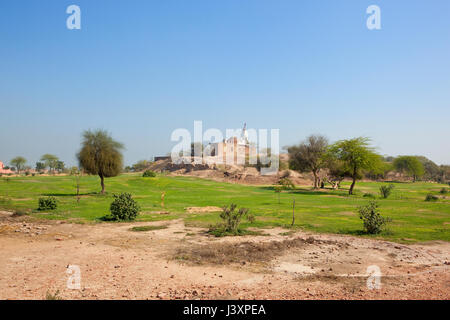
x=52, y=296
x=147, y=228
x=20, y=212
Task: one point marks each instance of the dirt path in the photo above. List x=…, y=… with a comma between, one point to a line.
x=183, y=263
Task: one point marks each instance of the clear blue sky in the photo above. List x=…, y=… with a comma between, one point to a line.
x=141, y=69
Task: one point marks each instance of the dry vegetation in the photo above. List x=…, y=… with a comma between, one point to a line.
x=242, y=253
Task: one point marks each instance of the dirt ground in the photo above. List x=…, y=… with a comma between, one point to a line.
x=179, y=262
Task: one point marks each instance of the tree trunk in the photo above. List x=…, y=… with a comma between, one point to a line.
x=78, y=188
x=352, y=185
x=316, y=183
x=102, y=182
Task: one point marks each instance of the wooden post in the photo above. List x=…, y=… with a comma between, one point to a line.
x=293, y=212
x=162, y=198
x=78, y=186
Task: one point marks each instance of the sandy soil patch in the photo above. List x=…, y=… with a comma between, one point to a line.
x=116, y=263
x=202, y=209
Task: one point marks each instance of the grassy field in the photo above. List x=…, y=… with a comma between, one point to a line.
x=322, y=211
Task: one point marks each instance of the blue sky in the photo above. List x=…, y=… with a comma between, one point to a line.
x=141, y=69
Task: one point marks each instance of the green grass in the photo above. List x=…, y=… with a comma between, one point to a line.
x=331, y=211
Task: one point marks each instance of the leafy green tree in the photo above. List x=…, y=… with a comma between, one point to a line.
x=431, y=169
x=19, y=163
x=336, y=172
x=141, y=165
x=381, y=171
x=49, y=161
x=355, y=157
x=310, y=156
x=444, y=174
x=40, y=166
x=60, y=166
x=100, y=155
x=410, y=165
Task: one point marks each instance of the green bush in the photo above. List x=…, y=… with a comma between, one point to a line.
x=48, y=203
x=431, y=197
x=124, y=207
x=231, y=221
x=369, y=195
x=443, y=191
x=149, y=174
x=385, y=191
x=286, y=184
x=372, y=220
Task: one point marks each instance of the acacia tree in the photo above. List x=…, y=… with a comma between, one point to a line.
x=409, y=164
x=40, y=166
x=355, y=156
x=310, y=155
x=19, y=163
x=100, y=155
x=141, y=165
x=50, y=161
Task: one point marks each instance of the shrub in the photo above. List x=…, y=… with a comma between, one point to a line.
x=231, y=221
x=431, y=197
x=149, y=174
x=372, y=220
x=385, y=191
x=52, y=296
x=369, y=195
x=19, y=213
x=124, y=207
x=48, y=203
x=443, y=191
x=286, y=184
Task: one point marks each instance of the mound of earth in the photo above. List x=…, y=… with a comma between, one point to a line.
x=233, y=173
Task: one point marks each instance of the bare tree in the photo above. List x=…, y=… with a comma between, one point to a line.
x=309, y=156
